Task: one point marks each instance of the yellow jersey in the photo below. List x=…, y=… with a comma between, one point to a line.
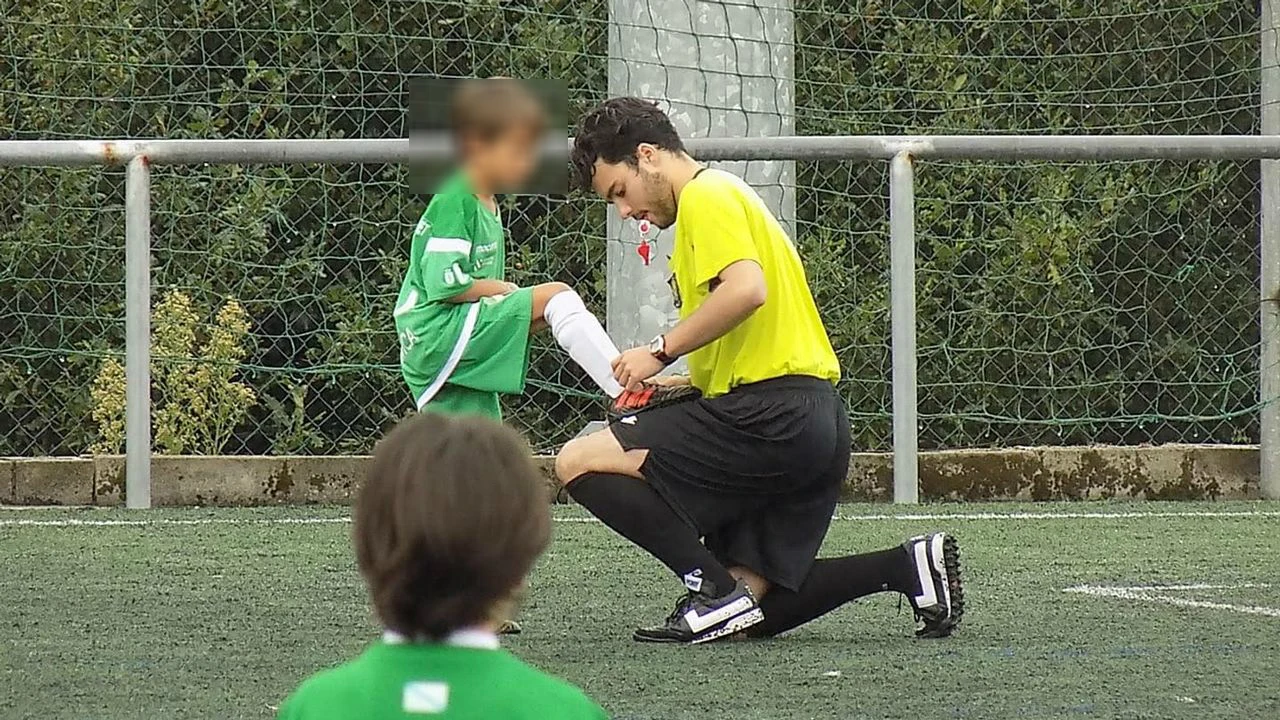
x=719, y=221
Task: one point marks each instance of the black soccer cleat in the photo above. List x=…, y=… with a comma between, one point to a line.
x=651, y=396
x=940, y=603
x=699, y=618
x=509, y=627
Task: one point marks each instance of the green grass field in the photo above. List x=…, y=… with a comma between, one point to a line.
x=219, y=613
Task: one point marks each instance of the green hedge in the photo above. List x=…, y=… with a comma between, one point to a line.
x=1058, y=303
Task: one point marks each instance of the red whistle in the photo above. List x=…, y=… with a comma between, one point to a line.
x=644, y=249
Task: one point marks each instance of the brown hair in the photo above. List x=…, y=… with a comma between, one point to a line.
x=614, y=129
x=485, y=109
x=451, y=518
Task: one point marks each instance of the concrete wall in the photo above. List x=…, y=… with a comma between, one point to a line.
x=1168, y=472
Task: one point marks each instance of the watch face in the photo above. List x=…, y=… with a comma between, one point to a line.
x=655, y=345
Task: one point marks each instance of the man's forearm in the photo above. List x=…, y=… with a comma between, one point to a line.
x=723, y=310
x=480, y=289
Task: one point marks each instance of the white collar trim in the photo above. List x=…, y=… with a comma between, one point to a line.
x=476, y=638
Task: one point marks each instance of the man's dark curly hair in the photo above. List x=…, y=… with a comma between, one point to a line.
x=613, y=130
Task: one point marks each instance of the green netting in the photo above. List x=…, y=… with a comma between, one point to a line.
x=1059, y=303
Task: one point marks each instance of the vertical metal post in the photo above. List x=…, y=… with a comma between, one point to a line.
x=902, y=294
x=721, y=68
x=137, y=323
x=1269, y=239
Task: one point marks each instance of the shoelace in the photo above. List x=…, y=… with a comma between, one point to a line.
x=682, y=606
x=915, y=611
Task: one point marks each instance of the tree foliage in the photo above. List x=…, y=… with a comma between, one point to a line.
x=1058, y=303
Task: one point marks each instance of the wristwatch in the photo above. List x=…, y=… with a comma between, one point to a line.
x=658, y=349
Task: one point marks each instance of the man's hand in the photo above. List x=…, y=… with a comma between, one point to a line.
x=634, y=366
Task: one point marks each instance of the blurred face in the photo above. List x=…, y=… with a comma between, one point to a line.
x=640, y=191
x=508, y=160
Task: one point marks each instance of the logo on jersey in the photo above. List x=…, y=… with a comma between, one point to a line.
x=425, y=698
x=455, y=275
x=407, y=340
x=483, y=255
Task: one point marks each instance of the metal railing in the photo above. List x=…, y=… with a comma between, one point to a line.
x=139, y=155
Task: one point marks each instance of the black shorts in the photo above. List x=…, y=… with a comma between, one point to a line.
x=757, y=472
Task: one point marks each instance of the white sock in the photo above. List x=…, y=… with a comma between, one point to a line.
x=580, y=333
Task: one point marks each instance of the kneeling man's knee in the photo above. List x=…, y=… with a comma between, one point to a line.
x=571, y=461
x=598, y=452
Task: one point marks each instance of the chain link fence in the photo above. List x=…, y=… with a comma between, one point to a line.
x=1059, y=303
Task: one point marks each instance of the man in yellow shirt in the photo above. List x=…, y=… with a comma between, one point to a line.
x=733, y=491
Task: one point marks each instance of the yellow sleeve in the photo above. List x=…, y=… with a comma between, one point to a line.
x=716, y=224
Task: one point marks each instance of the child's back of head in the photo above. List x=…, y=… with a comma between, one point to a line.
x=451, y=518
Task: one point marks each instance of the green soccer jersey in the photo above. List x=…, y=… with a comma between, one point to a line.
x=464, y=678
x=456, y=357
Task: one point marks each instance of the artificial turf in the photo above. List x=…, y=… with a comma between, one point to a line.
x=219, y=614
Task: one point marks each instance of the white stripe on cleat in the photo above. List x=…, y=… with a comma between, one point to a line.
x=736, y=625
x=928, y=596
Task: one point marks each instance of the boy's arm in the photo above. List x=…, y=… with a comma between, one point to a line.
x=445, y=267
x=482, y=288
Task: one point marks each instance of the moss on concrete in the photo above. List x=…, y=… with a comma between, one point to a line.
x=1167, y=472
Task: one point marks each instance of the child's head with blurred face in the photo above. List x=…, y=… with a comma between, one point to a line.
x=498, y=128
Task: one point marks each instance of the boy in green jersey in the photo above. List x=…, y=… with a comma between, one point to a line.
x=464, y=330
x=451, y=518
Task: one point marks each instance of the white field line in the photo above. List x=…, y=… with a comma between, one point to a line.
x=1149, y=593
x=1171, y=588
x=894, y=517
x=73, y=522
x=1067, y=515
